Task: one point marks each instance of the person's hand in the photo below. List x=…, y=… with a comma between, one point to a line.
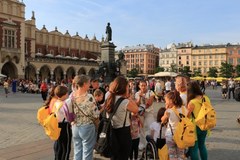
x=141, y=94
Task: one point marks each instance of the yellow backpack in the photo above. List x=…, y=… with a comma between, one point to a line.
x=49, y=122
x=184, y=135
x=42, y=114
x=206, y=118
x=51, y=127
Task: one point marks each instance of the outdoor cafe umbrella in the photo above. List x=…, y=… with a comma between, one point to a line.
x=210, y=78
x=165, y=74
x=237, y=79
x=197, y=78
x=2, y=75
x=220, y=79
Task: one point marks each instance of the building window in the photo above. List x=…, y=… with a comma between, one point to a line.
x=194, y=63
x=230, y=60
x=179, y=57
x=231, y=52
x=238, y=51
x=187, y=57
x=205, y=70
x=216, y=62
x=9, y=38
x=238, y=61
x=200, y=63
x=187, y=62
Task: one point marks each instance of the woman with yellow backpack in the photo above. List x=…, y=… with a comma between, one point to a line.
x=195, y=100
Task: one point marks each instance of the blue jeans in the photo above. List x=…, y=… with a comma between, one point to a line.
x=84, y=139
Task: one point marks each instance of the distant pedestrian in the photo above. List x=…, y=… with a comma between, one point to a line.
x=14, y=86
x=202, y=86
x=231, y=88
x=167, y=86
x=44, y=90
x=224, y=90
x=158, y=91
x=6, y=87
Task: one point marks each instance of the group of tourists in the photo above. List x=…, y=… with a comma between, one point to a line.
x=133, y=123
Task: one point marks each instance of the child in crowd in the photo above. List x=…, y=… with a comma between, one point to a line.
x=173, y=101
x=135, y=133
x=62, y=146
x=98, y=96
x=158, y=126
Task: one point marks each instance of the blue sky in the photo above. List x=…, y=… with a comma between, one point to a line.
x=158, y=22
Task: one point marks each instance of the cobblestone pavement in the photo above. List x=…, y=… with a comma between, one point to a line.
x=18, y=123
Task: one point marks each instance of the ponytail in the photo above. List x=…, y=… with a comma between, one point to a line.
x=175, y=97
x=110, y=102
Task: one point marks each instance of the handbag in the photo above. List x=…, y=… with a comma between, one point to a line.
x=162, y=147
x=95, y=121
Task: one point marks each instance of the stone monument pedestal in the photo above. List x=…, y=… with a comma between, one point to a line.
x=108, y=65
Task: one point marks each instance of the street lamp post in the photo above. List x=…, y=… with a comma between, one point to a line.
x=28, y=70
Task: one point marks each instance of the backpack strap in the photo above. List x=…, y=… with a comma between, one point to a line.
x=160, y=132
x=180, y=115
x=58, y=107
x=125, y=118
x=119, y=101
x=203, y=101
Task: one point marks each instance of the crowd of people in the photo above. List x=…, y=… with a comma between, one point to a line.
x=133, y=121
x=77, y=103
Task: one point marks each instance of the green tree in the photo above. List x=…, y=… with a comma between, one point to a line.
x=197, y=72
x=173, y=67
x=159, y=69
x=226, y=70
x=133, y=73
x=237, y=70
x=212, y=72
x=186, y=71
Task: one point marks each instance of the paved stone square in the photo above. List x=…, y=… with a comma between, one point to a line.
x=19, y=127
